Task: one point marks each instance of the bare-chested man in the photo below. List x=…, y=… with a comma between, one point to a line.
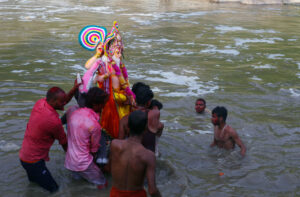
x=144, y=96
x=224, y=135
x=200, y=106
x=130, y=162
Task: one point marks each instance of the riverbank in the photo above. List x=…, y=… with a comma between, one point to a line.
x=258, y=2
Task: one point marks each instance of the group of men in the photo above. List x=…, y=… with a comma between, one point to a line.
x=109, y=111
x=224, y=135
x=131, y=117
x=131, y=159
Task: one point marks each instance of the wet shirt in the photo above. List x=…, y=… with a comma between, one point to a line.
x=43, y=127
x=84, y=133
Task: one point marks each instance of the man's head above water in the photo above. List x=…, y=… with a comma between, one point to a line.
x=200, y=105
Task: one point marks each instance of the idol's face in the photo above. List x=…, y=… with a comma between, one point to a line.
x=100, y=47
x=117, y=53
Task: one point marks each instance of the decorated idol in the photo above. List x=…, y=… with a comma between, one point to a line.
x=111, y=74
x=113, y=78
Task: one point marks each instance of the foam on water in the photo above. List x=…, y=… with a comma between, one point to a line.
x=241, y=42
x=224, y=29
x=213, y=49
x=45, y=13
x=7, y=146
x=194, y=86
x=140, y=21
x=256, y=78
x=17, y=71
x=162, y=40
x=294, y=92
x=38, y=70
x=139, y=14
x=156, y=89
x=275, y=56
x=179, y=53
x=78, y=67
x=70, y=60
x=192, y=14
x=40, y=61
x=266, y=66
x=169, y=16
x=64, y=52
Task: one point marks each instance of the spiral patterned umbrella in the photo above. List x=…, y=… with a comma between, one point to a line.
x=91, y=35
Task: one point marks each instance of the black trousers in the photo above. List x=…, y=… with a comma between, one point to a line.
x=38, y=173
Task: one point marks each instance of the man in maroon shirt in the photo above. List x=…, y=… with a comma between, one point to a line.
x=44, y=126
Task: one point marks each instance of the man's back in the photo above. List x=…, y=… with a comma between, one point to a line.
x=129, y=163
x=84, y=133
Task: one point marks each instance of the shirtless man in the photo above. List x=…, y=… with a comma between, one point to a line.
x=130, y=162
x=224, y=135
x=144, y=96
x=200, y=106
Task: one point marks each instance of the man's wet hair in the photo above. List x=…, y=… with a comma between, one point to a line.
x=137, y=122
x=95, y=96
x=220, y=111
x=137, y=85
x=201, y=99
x=52, y=93
x=142, y=92
x=156, y=103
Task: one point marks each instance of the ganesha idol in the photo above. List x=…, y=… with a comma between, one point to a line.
x=113, y=78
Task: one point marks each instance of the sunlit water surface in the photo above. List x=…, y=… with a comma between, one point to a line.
x=243, y=57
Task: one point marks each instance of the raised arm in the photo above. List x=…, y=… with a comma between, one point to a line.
x=72, y=91
x=152, y=189
x=238, y=141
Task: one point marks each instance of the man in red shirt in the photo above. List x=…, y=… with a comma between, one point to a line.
x=44, y=126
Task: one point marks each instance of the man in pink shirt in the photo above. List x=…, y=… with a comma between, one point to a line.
x=44, y=126
x=84, y=133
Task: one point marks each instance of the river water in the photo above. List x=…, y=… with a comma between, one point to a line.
x=245, y=58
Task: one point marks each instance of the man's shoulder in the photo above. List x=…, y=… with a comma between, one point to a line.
x=231, y=130
x=153, y=112
x=116, y=143
x=146, y=153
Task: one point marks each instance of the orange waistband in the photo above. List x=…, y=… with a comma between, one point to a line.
x=115, y=192
x=30, y=161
